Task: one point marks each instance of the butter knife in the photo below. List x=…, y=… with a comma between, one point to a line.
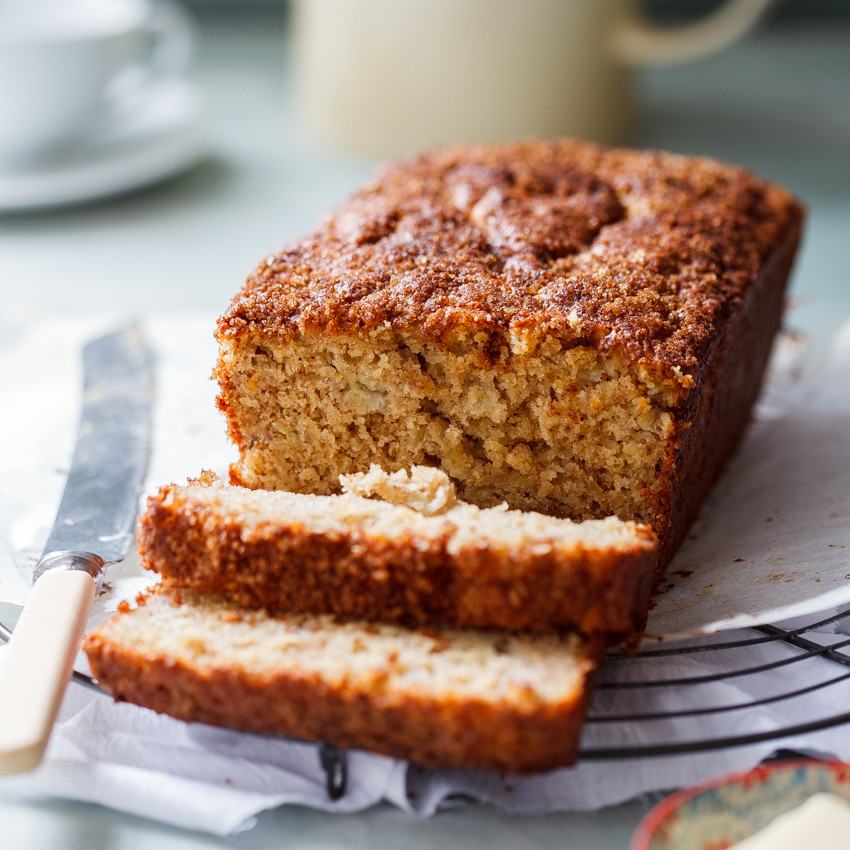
x=94, y=527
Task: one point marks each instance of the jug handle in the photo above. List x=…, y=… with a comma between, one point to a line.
x=636, y=41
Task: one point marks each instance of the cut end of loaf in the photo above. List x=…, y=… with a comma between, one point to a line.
x=566, y=432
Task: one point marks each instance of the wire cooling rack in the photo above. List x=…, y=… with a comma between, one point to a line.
x=645, y=706
x=792, y=673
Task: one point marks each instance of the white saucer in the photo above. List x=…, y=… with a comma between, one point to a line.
x=154, y=137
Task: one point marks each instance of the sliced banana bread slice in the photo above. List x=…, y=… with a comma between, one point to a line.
x=439, y=697
x=441, y=561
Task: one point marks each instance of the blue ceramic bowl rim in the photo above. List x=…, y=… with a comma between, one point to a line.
x=657, y=814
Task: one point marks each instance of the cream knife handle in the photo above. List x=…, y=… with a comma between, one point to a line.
x=37, y=662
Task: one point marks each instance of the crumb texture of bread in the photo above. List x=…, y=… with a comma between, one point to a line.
x=499, y=432
x=440, y=697
x=441, y=561
x=571, y=329
x=424, y=489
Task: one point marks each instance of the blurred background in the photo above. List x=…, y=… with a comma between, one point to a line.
x=777, y=101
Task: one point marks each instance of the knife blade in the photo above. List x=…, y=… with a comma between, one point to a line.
x=94, y=527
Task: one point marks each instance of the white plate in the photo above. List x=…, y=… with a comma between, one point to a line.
x=154, y=136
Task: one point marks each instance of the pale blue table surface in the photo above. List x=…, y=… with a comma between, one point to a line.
x=779, y=103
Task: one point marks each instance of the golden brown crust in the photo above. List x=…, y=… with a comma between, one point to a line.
x=711, y=426
x=405, y=578
x=643, y=253
x=435, y=729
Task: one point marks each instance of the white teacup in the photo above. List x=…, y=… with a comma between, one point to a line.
x=62, y=62
x=390, y=77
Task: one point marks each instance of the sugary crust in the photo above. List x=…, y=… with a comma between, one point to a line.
x=597, y=585
x=642, y=253
x=440, y=729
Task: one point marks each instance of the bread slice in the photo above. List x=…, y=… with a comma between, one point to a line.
x=571, y=329
x=440, y=697
x=441, y=561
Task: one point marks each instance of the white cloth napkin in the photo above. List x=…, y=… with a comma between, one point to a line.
x=215, y=780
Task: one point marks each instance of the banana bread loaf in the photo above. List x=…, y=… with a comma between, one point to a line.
x=445, y=562
x=440, y=697
x=571, y=329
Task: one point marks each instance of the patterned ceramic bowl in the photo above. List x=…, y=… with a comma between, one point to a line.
x=718, y=814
